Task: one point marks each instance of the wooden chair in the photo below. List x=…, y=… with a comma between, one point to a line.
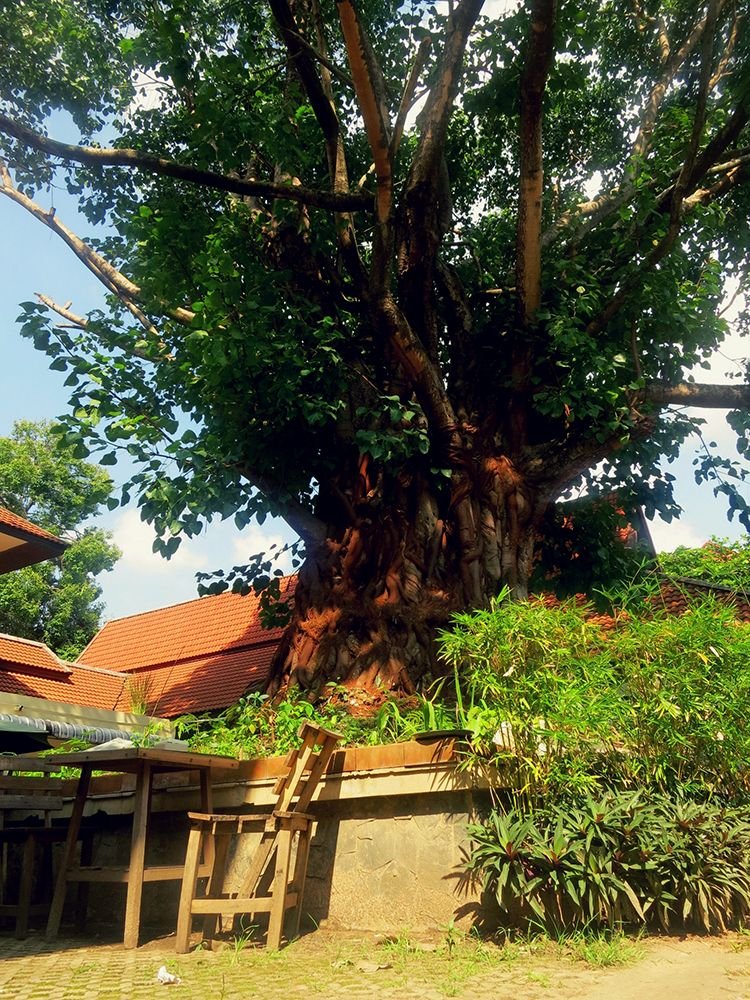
x=266, y=886
x=23, y=794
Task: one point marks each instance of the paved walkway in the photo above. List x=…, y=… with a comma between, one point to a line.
x=350, y=967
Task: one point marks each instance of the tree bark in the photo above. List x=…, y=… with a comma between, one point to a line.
x=370, y=599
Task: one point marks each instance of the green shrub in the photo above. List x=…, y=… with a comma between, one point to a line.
x=577, y=702
x=624, y=859
x=719, y=561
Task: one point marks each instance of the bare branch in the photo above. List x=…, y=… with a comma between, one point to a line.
x=407, y=96
x=112, y=279
x=73, y=319
x=81, y=323
x=136, y=160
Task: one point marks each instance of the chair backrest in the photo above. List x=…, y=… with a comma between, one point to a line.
x=306, y=766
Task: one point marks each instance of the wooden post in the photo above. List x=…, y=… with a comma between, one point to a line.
x=58, y=900
x=300, y=873
x=82, y=890
x=220, y=841
x=137, y=855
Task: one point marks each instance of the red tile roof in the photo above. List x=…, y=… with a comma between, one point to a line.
x=200, y=628
x=16, y=523
x=191, y=657
x=17, y=653
x=203, y=683
x=80, y=686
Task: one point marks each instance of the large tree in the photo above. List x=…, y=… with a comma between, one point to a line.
x=57, y=601
x=400, y=274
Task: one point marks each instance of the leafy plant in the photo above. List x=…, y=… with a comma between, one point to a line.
x=622, y=859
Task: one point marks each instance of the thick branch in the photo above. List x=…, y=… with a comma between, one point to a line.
x=706, y=396
x=369, y=87
x=528, y=234
x=440, y=100
x=297, y=516
x=137, y=160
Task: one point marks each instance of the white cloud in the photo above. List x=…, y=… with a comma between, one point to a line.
x=669, y=536
x=142, y=580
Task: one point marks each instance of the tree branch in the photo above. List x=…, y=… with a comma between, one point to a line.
x=441, y=98
x=528, y=233
x=320, y=94
x=706, y=396
x=368, y=85
x=672, y=63
x=598, y=209
x=297, y=516
x=407, y=96
x=72, y=318
x=112, y=279
x=136, y=160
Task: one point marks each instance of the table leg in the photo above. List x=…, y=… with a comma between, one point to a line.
x=207, y=806
x=24, y=890
x=58, y=900
x=137, y=856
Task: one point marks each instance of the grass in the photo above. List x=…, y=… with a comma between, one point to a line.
x=603, y=950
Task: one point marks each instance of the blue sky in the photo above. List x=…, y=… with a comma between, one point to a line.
x=33, y=259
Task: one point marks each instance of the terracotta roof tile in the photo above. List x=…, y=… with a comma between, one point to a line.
x=20, y=653
x=181, y=632
x=10, y=520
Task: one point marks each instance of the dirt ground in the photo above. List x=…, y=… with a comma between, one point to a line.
x=363, y=967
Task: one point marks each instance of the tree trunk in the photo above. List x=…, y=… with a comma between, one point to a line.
x=369, y=599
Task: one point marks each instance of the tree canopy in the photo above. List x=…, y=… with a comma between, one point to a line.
x=57, y=602
x=401, y=273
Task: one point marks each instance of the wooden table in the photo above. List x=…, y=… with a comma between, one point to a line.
x=144, y=764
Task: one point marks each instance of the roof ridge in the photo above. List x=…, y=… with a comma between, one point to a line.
x=29, y=642
x=75, y=665
x=179, y=604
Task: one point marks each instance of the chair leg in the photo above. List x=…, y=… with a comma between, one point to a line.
x=300, y=874
x=216, y=881
x=187, y=895
x=279, y=889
